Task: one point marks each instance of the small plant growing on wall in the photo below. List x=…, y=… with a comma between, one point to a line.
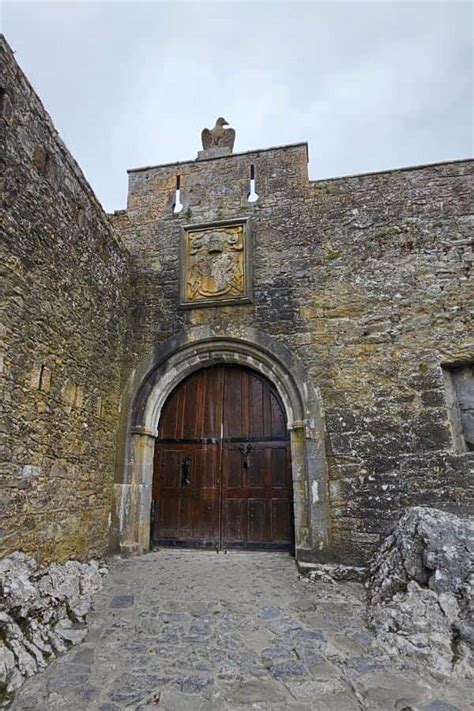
x=332, y=254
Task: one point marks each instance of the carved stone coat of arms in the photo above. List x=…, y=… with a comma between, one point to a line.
x=214, y=266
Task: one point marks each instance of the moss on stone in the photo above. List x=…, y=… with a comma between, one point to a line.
x=331, y=255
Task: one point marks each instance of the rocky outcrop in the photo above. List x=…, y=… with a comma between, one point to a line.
x=42, y=613
x=420, y=591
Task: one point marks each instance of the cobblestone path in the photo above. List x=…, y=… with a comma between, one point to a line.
x=197, y=631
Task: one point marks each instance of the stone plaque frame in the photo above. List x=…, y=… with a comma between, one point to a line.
x=245, y=294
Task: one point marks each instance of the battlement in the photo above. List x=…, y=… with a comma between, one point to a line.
x=221, y=181
x=255, y=153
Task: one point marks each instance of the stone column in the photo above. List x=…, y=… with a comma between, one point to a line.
x=136, y=496
x=309, y=494
x=300, y=488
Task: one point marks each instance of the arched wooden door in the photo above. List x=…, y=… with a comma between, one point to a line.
x=222, y=473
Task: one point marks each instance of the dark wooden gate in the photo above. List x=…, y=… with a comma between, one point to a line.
x=222, y=475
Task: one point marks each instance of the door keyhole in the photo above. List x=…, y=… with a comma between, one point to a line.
x=185, y=467
x=245, y=449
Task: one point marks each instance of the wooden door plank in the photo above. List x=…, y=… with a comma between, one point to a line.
x=237, y=493
x=259, y=481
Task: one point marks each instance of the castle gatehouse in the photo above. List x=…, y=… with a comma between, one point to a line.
x=242, y=358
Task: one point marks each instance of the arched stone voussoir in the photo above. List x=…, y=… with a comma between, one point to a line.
x=202, y=346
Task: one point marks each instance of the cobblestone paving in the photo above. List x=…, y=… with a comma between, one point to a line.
x=200, y=631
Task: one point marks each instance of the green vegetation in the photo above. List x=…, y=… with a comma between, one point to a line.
x=387, y=232
x=332, y=254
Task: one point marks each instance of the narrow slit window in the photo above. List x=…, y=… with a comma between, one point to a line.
x=460, y=400
x=253, y=195
x=6, y=110
x=178, y=205
x=3, y=97
x=41, y=160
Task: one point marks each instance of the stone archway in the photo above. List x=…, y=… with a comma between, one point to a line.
x=149, y=387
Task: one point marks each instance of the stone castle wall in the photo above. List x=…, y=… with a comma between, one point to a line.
x=65, y=294
x=366, y=279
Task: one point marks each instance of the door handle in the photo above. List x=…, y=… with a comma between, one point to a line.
x=245, y=449
x=185, y=467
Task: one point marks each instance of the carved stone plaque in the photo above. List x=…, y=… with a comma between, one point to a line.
x=215, y=264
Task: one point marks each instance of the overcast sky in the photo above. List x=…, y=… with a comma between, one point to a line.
x=369, y=85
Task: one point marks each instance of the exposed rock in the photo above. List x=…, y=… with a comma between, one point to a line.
x=332, y=572
x=42, y=613
x=420, y=591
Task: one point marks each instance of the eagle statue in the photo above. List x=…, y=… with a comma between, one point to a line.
x=218, y=137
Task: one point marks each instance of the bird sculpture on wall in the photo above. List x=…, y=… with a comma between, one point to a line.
x=218, y=137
